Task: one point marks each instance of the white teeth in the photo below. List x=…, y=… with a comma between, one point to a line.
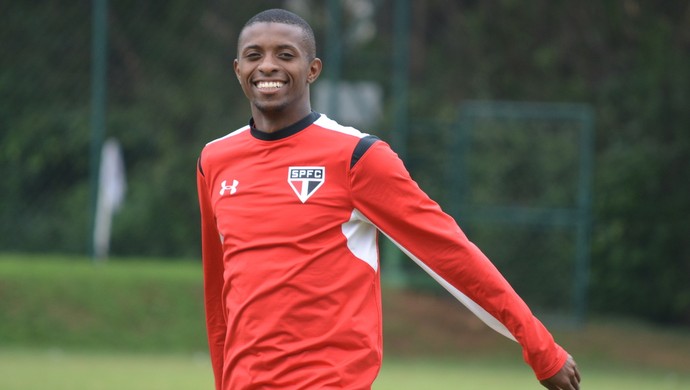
x=269, y=84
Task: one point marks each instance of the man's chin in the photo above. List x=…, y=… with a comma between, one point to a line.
x=269, y=108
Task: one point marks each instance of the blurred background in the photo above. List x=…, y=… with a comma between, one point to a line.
x=556, y=132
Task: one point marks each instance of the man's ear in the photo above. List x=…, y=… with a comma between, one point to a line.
x=314, y=70
x=236, y=67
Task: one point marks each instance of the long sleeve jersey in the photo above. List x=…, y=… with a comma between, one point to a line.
x=290, y=223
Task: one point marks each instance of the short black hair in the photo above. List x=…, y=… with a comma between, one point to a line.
x=278, y=15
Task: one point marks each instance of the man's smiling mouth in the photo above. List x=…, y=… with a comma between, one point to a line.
x=269, y=84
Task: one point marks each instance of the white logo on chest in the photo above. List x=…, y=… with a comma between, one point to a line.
x=306, y=180
x=232, y=188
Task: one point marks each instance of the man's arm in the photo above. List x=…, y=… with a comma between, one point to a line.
x=384, y=192
x=212, y=264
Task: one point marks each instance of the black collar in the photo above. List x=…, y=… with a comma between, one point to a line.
x=286, y=131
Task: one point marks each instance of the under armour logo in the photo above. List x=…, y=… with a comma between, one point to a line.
x=232, y=188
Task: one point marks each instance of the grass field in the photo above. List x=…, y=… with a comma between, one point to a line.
x=59, y=370
x=65, y=325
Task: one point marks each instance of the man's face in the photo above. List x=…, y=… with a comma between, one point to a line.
x=274, y=68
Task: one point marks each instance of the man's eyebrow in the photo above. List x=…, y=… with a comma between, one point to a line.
x=251, y=47
x=288, y=46
x=279, y=47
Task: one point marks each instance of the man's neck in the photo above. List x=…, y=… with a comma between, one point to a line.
x=268, y=123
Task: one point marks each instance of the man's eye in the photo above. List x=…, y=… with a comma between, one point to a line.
x=286, y=55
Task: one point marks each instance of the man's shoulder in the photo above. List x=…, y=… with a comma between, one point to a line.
x=354, y=141
x=228, y=137
x=338, y=129
x=219, y=148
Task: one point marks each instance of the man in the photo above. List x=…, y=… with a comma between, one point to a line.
x=291, y=206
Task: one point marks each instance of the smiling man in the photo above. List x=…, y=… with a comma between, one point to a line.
x=291, y=208
x=275, y=64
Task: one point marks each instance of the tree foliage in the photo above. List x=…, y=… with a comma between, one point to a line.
x=171, y=89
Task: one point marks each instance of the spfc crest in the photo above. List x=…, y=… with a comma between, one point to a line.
x=306, y=180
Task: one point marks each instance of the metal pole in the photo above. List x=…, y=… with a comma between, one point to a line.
x=401, y=58
x=334, y=57
x=99, y=40
x=395, y=274
x=584, y=225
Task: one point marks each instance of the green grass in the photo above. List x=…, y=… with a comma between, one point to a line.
x=122, y=304
x=490, y=373
x=60, y=370
x=22, y=369
x=67, y=324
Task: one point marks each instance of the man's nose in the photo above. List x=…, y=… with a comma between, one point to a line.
x=268, y=64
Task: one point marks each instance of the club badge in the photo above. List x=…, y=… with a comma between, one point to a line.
x=306, y=180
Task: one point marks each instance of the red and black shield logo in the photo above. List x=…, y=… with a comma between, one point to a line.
x=306, y=180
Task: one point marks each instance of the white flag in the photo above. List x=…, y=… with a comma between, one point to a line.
x=112, y=184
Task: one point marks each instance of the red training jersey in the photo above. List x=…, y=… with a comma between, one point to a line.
x=289, y=224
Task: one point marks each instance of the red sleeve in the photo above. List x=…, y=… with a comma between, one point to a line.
x=384, y=192
x=212, y=263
